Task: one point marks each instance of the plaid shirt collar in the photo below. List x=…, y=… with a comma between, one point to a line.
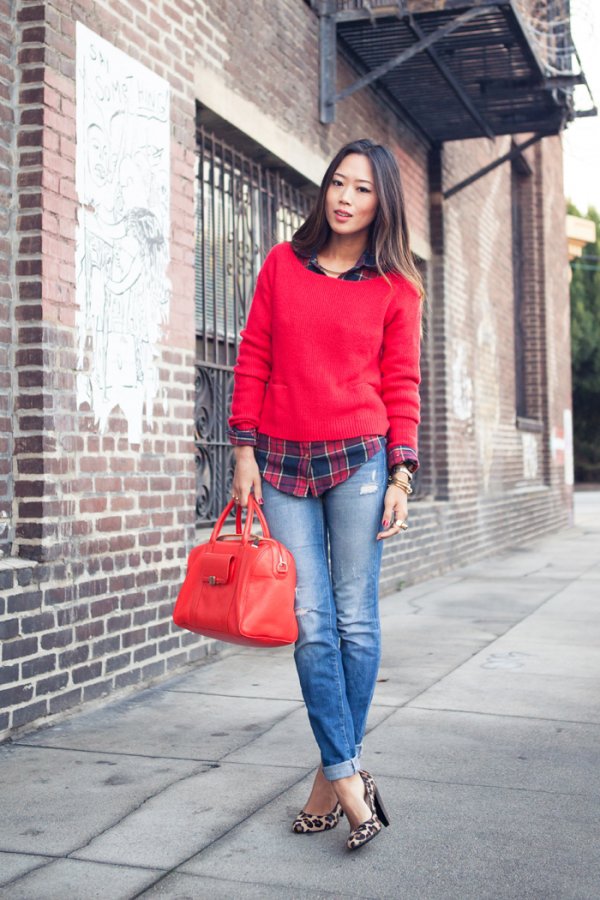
x=365, y=261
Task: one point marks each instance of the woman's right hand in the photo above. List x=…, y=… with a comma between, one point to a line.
x=246, y=476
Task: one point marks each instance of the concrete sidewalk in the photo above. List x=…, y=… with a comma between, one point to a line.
x=484, y=739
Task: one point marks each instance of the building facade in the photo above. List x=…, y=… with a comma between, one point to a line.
x=150, y=154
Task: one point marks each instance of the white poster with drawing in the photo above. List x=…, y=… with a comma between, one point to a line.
x=122, y=240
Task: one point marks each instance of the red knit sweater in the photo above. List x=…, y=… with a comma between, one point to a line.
x=324, y=359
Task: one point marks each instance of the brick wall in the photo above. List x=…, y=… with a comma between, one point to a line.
x=7, y=88
x=555, y=287
x=497, y=481
x=102, y=527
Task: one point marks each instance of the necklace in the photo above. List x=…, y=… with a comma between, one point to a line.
x=330, y=271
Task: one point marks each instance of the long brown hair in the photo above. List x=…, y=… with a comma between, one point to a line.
x=388, y=232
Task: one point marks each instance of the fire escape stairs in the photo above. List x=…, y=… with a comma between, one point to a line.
x=475, y=71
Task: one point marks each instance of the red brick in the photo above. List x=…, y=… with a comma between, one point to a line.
x=92, y=504
x=109, y=523
x=93, y=464
x=30, y=55
x=35, y=35
x=31, y=14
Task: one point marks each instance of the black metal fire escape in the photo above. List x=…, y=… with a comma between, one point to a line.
x=474, y=70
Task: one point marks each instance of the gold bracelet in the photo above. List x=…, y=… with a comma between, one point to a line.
x=396, y=480
x=402, y=485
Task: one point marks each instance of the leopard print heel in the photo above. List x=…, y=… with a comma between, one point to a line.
x=374, y=797
x=310, y=823
x=366, y=831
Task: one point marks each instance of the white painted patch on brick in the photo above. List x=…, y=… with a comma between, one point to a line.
x=530, y=454
x=568, y=431
x=123, y=172
x=557, y=446
x=462, y=385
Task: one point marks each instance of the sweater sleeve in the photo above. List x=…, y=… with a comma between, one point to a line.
x=400, y=371
x=253, y=367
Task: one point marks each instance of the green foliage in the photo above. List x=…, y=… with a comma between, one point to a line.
x=585, y=348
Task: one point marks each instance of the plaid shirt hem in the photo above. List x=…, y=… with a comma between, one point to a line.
x=253, y=438
x=312, y=467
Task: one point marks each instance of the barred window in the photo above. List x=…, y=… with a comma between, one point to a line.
x=243, y=209
x=527, y=313
x=519, y=290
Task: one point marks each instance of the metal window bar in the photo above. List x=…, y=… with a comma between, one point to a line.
x=243, y=209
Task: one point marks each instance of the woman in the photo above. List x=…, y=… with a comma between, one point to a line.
x=325, y=405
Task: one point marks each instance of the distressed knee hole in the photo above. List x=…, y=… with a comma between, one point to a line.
x=368, y=489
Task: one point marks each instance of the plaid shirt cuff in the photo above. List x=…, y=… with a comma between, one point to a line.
x=242, y=437
x=399, y=454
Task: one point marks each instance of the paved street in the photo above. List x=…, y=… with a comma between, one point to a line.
x=484, y=739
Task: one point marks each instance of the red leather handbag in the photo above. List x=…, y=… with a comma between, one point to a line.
x=240, y=587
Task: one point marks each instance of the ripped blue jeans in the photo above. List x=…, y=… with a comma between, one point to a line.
x=338, y=560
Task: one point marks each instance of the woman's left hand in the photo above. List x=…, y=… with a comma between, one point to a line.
x=395, y=510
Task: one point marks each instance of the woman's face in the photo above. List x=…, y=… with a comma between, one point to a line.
x=351, y=202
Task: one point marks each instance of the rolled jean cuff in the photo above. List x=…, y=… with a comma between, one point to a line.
x=343, y=769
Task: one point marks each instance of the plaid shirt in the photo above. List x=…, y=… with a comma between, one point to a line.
x=364, y=268
x=313, y=467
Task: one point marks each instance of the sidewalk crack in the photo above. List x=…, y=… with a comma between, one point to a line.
x=198, y=771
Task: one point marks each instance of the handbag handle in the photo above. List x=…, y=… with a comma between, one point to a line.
x=253, y=509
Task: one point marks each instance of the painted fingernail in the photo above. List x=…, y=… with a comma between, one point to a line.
x=385, y=523
x=261, y=501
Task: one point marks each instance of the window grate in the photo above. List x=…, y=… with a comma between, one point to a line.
x=243, y=209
